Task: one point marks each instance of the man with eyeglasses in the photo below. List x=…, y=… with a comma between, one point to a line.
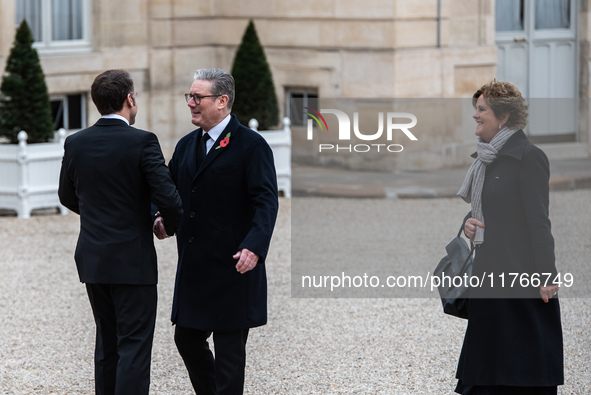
x=225, y=174
x=110, y=175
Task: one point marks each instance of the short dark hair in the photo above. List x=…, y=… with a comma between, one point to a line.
x=110, y=89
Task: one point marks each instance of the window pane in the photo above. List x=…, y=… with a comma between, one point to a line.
x=552, y=14
x=68, y=112
x=67, y=20
x=313, y=101
x=296, y=111
x=75, y=112
x=509, y=15
x=57, y=110
x=31, y=11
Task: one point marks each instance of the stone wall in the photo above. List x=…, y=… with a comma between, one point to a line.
x=383, y=49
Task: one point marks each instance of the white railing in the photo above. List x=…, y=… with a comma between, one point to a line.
x=280, y=142
x=29, y=175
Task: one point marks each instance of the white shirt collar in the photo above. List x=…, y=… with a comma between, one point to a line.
x=116, y=116
x=215, y=132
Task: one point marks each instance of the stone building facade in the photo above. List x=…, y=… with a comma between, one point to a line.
x=438, y=50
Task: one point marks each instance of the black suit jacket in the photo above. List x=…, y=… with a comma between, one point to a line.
x=229, y=204
x=110, y=174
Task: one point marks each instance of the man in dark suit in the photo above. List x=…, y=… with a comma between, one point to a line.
x=111, y=172
x=226, y=177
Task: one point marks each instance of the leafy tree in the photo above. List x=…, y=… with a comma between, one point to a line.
x=255, y=92
x=24, y=100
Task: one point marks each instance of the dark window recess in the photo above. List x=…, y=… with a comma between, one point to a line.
x=68, y=112
x=298, y=104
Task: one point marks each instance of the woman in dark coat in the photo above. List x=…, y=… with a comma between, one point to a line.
x=513, y=342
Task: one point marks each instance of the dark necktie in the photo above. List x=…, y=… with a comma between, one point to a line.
x=202, y=149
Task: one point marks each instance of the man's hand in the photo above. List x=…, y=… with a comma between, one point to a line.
x=247, y=260
x=158, y=227
x=548, y=292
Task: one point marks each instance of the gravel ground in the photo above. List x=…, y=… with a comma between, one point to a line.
x=310, y=346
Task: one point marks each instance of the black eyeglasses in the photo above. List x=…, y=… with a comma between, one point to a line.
x=196, y=98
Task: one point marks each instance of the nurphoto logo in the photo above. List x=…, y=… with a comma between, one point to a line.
x=393, y=124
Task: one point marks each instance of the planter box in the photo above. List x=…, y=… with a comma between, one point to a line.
x=29, y=175
x=280, y=142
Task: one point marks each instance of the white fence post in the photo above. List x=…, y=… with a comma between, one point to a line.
x=62, y=134
x=253, y=124
x=280, y=143
x=23, y=183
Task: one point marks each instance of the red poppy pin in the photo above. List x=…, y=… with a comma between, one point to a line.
x=224, y=142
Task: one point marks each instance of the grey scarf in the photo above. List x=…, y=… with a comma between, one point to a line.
x=471, y=190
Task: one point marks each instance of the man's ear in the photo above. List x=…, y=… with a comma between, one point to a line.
x=223, y=101
x=130, y=100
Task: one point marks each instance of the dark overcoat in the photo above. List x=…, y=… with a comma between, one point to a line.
x=230, y=203
x=111, y=172
x=514, y=341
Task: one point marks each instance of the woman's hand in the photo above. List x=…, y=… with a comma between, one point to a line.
x=470, y=227
x=548, y=292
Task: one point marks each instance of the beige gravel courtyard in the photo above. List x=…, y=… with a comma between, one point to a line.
x=309, y=346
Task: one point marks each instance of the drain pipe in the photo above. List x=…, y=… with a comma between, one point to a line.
x=438, y=23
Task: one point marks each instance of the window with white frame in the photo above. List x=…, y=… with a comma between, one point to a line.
x=69, y=112
x=297, y=100
x=56, y=24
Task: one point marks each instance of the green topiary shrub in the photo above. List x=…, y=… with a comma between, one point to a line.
x=24, y=101
x=255, y=92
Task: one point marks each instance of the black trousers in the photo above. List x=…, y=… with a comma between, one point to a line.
x=222, y=375
x=125, y=317
x=504, y=390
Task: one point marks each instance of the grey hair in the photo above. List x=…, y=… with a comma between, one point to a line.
x=222, y=82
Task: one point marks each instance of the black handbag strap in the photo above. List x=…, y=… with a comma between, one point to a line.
x=471, y=243
x=460, y=231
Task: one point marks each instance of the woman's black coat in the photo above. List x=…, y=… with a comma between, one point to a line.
x=511, y=340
